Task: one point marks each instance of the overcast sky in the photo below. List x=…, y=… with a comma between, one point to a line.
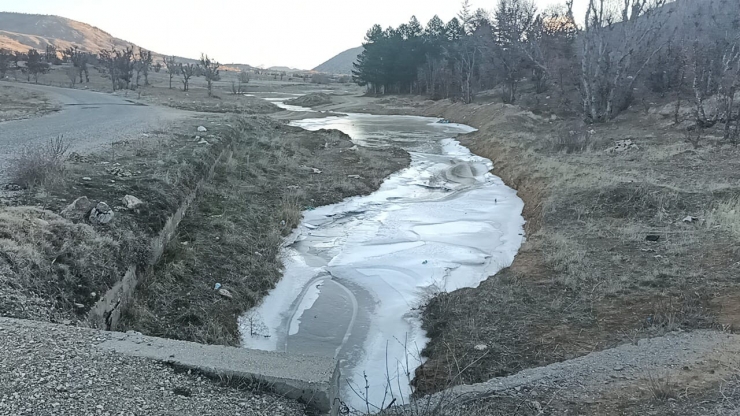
x=295, y=33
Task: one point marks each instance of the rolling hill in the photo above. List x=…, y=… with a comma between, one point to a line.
x=342, y=63
x=21, y=32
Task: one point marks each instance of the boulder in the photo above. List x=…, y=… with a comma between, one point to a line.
x=77, y=209
x=131, y=202
x=101, y=214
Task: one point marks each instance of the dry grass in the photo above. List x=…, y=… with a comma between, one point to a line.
x=41, y=165
x=588, y=278
x=234, y=232
x=53, y=269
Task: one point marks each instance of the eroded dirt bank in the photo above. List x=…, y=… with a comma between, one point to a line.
x=591, y=276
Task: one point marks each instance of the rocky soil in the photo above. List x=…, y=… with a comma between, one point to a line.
x=56, y=370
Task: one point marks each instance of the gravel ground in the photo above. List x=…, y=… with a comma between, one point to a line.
x=682, y=365
x=48, y=369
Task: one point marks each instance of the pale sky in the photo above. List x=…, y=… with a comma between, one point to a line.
x=295, y=33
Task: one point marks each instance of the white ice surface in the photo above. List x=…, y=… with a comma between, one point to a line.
x=442, y=224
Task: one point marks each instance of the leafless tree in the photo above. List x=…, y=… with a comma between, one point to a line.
x=187, y=71
x=210, y=71
x=173, y=68
x=617, y=47
x=119, y=66
x=80, y=61
x=142, y=65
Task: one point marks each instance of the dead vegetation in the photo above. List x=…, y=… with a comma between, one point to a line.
x=620, y=245
x=232, y=236
x=55, y=264
x=42, y=165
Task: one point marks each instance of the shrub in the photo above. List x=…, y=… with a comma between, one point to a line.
x=42, y=165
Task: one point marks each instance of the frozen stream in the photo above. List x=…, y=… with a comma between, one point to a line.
x=356, y=272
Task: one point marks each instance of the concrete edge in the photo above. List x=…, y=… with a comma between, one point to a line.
x=311, y=380
x=106, y=313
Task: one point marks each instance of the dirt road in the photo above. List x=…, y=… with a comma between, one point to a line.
x=88, y=120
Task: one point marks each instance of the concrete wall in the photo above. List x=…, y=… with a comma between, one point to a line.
x=106, y=313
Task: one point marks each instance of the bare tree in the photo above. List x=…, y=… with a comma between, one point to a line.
x=35, y=66
x=6, y=60
x=616, y=50
x=142, y=65
x=173, y=68
x=80, y=61
x=187, y=71
x=209, y=69
x=119, y=66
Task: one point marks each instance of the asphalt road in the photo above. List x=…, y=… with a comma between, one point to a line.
x=88, y=121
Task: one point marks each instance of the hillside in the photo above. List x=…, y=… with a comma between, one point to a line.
x=21, y=32
x=340, y=64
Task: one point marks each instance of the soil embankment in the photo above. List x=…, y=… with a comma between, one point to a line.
x=225, y=256
x=623, y=243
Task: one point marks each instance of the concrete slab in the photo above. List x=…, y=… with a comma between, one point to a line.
x=313, y=380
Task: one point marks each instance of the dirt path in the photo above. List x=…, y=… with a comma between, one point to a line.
x=88, y=121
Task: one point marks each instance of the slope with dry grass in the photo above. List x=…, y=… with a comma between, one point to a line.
x=234, y=233
x=590, y=275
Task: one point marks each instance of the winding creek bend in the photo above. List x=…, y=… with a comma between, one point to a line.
x=357, y=272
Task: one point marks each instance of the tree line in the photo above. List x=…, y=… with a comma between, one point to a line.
x=687, y=48
x=125, y=68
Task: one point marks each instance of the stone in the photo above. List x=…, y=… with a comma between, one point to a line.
x=86, y=178
x=131, y=202
x=101, y=214
x=622, y=146
x=225, y=293
x=481, y=347
x=652, y=237
x=202, y=129
x=203, y=142
x=79, y=207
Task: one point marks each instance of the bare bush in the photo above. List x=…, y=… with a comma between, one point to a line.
x=42, y=165
x=572, y=141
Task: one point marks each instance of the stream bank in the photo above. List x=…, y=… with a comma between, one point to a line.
x=358, y=272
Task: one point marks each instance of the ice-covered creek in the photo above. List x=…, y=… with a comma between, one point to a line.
x=357, y=272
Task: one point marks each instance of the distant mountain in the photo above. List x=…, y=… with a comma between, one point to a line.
x=342, y=63
x=283, y=69
x=21, y=32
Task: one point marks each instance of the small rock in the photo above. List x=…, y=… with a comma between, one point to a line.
x=481, y=347
x=80, y=206
x=354, y=176
x=202, y=129
x=618, y=368
x=652, y=237
x=101, y=214
x=690, y=219
x=131, y=202
x=203, y=142
x=225, y=293
x=79, y=305
x=316, y=170
x=86, y=178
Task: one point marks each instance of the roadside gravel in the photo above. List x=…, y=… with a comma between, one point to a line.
x=48, y=369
